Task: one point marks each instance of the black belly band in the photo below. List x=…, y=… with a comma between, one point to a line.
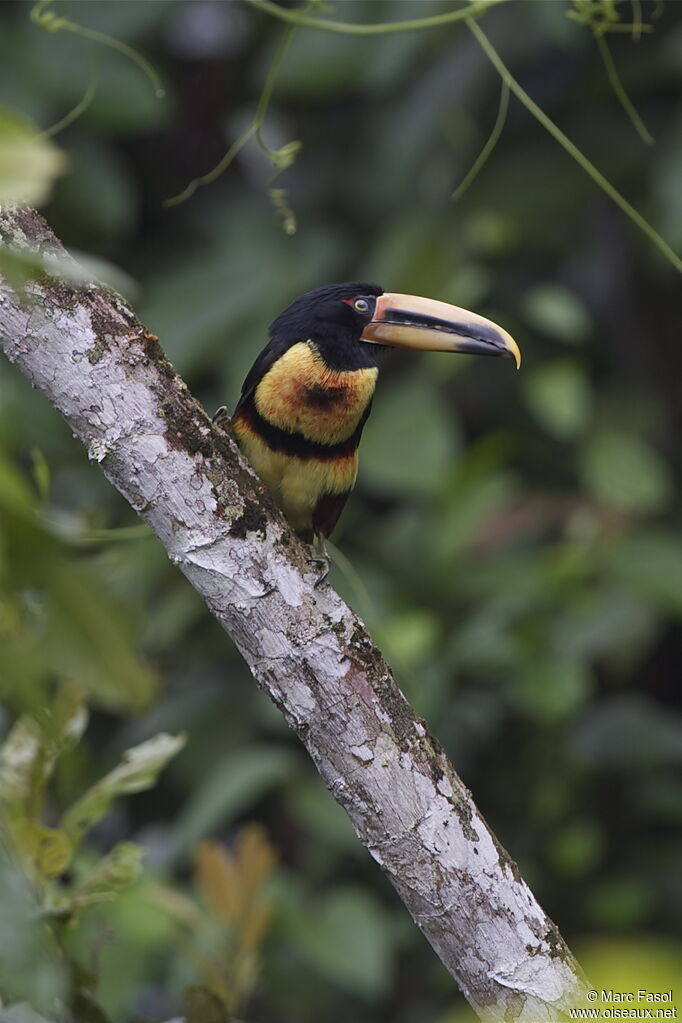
x=295, y=443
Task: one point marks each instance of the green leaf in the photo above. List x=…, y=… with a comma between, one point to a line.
x=630, y=734
x=88, y=639
x=621, y=904
x=651, y=566
x=41, y=474
x=33, y=746
x=57, y=619
x=66, y=720
x=203, y=1006
x=552, y=689
x=577, y=848
x=349, y=940
x=622, y=471
x=62, y=725
x=31, y=968
x=18, y=758
x=476, y=495
x=137, y=771
x=117, y=870
x=554, y=310
x=28, y=163
x=74, y=267
x=319, y=814
x=234, y=783
x=559, y=397
x=22, y=1013
x=16, y=497
x=146, y=939
x=47, y=849
x=608, y=623
x=411, y=636
x=408, y=444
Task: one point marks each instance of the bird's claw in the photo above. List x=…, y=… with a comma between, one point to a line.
x=220, y=416
x=319, y=556
x=324, y=562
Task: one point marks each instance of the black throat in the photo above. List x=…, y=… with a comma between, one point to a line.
x=329, y=319
x=344, y=353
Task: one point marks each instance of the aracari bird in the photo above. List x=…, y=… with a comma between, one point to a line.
x=307, y=397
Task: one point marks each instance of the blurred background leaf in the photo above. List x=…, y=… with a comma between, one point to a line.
x=28, y=163
x=30, y=964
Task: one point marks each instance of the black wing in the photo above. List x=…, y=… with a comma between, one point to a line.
x=274, y=350
x=327, y=511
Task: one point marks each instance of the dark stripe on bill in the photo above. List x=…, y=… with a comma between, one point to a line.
x=475, y=331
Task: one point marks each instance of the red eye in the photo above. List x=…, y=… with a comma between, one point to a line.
x=361, y=305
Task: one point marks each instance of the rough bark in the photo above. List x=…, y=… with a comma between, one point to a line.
x=86, y=351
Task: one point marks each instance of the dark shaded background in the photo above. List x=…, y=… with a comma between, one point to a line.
x=516, y=537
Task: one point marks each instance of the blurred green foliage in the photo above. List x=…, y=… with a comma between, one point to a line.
x=517, y=536
x=28, y=163
x=47, y=884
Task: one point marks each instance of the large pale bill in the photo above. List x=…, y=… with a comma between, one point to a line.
x=409, y=321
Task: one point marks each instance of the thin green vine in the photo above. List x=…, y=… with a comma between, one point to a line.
x=80, y=107
x=377, y=28
x=279, y=158
x=563, y=140
x=206, y=179
x=602, y=16
x=47, y=19
x=482, y=157
x=597, y=8
x=620, y=92
x=278, y=198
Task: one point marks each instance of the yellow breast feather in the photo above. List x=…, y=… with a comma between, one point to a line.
x=296, y=484
x=301, y=394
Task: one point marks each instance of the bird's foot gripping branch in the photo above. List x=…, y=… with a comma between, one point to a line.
x=88, y=354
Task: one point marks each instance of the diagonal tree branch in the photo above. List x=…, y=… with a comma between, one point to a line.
x=85, y=350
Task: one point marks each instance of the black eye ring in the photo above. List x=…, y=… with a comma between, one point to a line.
x=361, y=305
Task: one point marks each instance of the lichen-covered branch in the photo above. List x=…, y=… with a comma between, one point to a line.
x=90, y=356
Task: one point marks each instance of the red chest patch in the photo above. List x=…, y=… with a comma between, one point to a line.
x=301, y=394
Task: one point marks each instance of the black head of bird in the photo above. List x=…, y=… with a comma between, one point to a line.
x=306, y=398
